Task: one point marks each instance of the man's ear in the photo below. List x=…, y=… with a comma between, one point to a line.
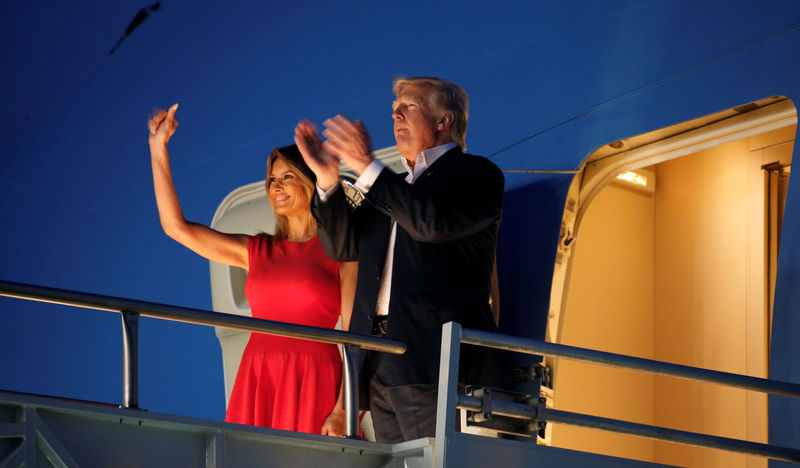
x=445, y=121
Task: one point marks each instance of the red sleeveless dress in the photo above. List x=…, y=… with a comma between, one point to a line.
x=288, y=383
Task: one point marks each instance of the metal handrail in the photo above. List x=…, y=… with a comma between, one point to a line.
x=527, y=412
x=453, y=335
x=198, y=316
x=674, y=435
x=131, y=310
x=538, y=347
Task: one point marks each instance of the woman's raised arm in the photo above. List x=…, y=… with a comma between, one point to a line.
x=230, y=249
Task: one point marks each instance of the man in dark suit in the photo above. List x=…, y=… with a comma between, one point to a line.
x=425, y=243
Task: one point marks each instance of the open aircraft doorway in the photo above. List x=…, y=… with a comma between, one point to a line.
x=675, y=261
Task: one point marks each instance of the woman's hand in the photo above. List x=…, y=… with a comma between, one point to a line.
x=162, y=126
x=334, y=424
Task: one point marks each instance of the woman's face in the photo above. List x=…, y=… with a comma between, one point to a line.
x=285, y=189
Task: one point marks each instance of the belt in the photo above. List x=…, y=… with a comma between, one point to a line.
x=380, y=325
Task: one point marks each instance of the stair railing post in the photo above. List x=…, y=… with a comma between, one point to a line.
x=351, y=391
x=130, y=360
x=446, y=411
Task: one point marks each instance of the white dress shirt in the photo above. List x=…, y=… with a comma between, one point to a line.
x=364, y=183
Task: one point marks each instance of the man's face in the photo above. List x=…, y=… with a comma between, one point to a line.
x=415, y=124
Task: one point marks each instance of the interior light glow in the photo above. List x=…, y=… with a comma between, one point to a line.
x=641, y=179
x=633, y=178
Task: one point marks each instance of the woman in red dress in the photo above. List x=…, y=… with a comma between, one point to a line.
x=282, y=383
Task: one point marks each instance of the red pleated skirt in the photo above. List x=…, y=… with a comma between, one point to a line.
x=285, y=390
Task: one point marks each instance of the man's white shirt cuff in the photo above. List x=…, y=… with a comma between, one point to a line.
x=363, y=183
x=325, y=195
x=368, y=177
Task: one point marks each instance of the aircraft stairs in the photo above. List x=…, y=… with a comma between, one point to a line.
x=42, y=431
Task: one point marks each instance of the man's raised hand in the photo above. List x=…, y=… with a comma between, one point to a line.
x=321, y=163
x=348, y=141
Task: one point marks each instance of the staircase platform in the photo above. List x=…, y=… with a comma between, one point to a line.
x=40, y=431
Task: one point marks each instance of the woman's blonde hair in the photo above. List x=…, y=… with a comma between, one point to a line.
x=304, y=175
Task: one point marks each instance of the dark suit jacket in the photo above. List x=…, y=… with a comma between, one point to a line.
x=447, y=224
